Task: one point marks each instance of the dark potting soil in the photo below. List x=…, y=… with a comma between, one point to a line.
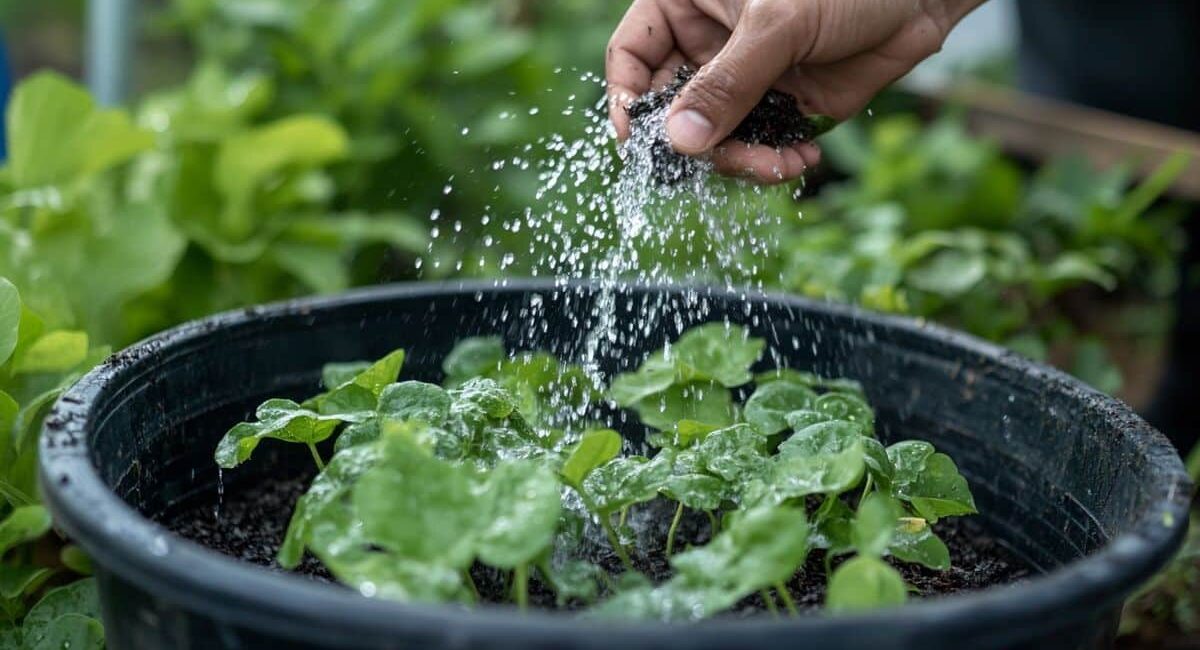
x=776, y=121
x=250, y=521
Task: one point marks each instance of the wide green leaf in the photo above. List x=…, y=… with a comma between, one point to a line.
x=863, y=583
x=330, y=489
x=823, y=458
x=697, y=491
x=247, y=159
x=336, y=374
x=415, y=400
x=418, y=506
x=627, y=480
x=915, y=541
x=359, y=394
x=656, y=375
x=57, y=351
x=71, y=632
x=520, y=513
x=473, y=357
x=58, y=134
x=78, y=598
x=735, y=453
x=595, y=448
x=874, y=524
x=10, y=318
x=929, y=481
x=767, y=409
x=847, y=406
x=705, y=402
x=721, y=352
x=761, y=547
x=23, y=524
x=279, y=419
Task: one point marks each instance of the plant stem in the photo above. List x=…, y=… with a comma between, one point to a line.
x=713, y=522
x=672, y=529
x=316, y=456
x=624, y=515
x=521, y=586
x=786, y=597
x=613, y=539
x=770, y=601
x=466, y=573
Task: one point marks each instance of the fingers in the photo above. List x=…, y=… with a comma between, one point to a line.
x=640, y=46
x=763, y=164
x=758, y=52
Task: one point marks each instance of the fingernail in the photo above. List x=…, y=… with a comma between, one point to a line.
x=689, y=130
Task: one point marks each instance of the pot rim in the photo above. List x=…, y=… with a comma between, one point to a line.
x=143, y=552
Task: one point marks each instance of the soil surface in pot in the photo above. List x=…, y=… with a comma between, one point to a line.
x=249, y=523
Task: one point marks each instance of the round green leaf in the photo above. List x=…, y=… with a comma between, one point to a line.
x=865, y=582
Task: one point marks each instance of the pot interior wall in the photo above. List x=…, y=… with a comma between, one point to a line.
x=1051, y=477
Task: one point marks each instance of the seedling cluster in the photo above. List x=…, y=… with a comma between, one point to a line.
x=427, y=482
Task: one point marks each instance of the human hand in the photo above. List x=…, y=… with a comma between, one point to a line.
x=832, y=55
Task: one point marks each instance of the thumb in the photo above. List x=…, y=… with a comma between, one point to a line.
x=725, y=89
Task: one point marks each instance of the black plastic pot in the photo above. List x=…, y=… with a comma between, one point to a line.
x=1070, y=479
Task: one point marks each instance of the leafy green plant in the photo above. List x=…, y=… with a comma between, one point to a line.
x=427, y=484
x=936, y=223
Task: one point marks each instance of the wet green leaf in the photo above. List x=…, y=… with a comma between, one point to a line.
x=758, y=548
x=863, y=583
x=654, y=376
x=879, y=466
x=929, y=481
x=73, y=632
x=359, y=394
x=336, y=374
x=734, y=453
x=415, y=400
x=329, y=490
x=482, y=398
x=767, y=409
x=823, y=458
x=915, y=541
x=707, y=403
x=849, y=407
x=595, y=448
x=473, y=357
x=78, y=598
x=418, y=506
x=520, y=513
x=697, y=491
x=627, y=480
x=279, y=419
x=357, y=433
x=720, y=352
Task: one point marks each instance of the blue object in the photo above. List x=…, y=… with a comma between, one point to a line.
x=5, y=87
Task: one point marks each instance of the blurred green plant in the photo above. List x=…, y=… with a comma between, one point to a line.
x=936, y=223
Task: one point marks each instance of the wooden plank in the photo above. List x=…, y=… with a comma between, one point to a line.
x=1039, y=128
